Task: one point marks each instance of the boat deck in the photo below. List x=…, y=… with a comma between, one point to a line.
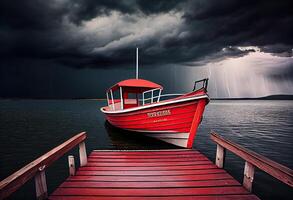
x=151, y=174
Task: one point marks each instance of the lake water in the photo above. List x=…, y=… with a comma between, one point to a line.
x=30, y=128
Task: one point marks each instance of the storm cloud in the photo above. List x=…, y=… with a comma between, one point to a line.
x=101, y=35
x=88, y=33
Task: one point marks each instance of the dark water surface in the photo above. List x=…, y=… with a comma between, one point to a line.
x=30, y=128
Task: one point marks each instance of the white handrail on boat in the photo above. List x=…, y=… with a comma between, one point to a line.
x=143, y=100
x=154, y=105
x=107, y=98
x=166, y=95
x=152, y=95
x=149, y=98
x=121, y=98
x=158, y=100
x=113, y=105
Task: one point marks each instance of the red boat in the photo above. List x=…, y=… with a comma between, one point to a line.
x=137, y=105
x=173, y=120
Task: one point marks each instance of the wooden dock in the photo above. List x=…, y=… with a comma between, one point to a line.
x=160, y=174
x=146, y=174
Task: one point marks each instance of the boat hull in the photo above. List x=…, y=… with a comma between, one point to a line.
x=173, y=122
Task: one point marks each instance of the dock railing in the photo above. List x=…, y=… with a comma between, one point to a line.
x=252, y=160
x=37, y=168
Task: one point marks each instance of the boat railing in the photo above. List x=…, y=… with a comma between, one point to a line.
x=168, y=95
x=114, y=104
x=152, y=98
x=252, y=161
x=38, y=167
x=160, y=99
x=204, y=84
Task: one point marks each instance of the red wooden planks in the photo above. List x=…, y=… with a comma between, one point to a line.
x=223, y=197
x=144, y=153
x=151, y=192
x=147, y=160
x=152, y=178
x=141, y=164
x=149, y=168
x=171, y=174
x=147, y=156
x=148, y=173
x=170, y=184
x=158, y=152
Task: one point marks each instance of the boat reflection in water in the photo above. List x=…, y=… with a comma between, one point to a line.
x=124, y=139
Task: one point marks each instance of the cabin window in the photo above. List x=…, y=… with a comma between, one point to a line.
x=130, y=100
x=114, y=99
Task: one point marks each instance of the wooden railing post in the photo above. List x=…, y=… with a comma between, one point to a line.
x=36, y=169
x=252, y=160
x=71, y=165
x=41, y=184
x=220, y=156
x=248, y=176
x=82, y=154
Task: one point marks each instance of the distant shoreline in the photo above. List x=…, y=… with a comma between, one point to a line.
x=14, y=99
x=271, y=97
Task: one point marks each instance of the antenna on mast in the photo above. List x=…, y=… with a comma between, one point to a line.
x=136, y=63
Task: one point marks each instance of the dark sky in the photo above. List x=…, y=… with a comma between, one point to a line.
x=78, y=48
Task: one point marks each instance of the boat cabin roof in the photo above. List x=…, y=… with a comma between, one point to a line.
x=136, y=85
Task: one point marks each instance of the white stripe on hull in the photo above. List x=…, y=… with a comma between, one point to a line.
x=167, y=102
x=146, y=131
x=169, y=135
x=177, y=142
x=178, y=139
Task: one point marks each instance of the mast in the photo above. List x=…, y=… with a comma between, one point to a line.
x=136, y=63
